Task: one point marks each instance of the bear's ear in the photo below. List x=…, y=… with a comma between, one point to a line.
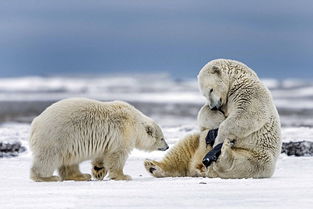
x=215, y=70
x=149, y=130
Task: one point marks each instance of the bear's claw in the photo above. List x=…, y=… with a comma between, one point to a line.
x=151, y=170
x=210, y=138
x=97, y=168
x=99, y=172
x=212, y=156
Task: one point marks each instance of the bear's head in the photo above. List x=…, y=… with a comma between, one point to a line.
x=214, y=85
x=208, y=120
x=152, y=137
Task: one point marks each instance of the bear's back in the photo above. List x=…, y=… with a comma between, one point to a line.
x=79, y=120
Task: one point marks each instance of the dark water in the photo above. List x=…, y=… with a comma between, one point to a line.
x=25, y=111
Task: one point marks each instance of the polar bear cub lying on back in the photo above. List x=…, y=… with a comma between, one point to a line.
x=74, y=130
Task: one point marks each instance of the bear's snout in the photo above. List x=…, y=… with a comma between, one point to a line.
x=216, y=105
x=164, y=147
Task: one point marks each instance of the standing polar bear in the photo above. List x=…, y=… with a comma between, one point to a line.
x=248, y=140
x=74, y=130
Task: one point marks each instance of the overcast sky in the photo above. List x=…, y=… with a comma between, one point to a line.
x=54, y=37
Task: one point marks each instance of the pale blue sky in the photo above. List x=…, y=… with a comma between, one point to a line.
x=55, y=37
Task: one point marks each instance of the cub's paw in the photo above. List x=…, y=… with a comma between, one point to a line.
x=210, y=138
x=46, y=179
x=200, y=171
x=86, y=177
x=122, y=177
x=99, y=172
x=229, y=142
x=227, y=147
x=82, y=177
x=153, y=168
x=213, y=155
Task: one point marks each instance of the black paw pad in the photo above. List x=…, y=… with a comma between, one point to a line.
x=98, y=168
x=212, y=156
x=151, y=170
x=210, y=138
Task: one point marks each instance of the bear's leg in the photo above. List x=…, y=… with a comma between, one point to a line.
x=226, y=158
x=197, y=169
x=98, y=169
x=176, y=162
x=43, y=168
x=235, y=163
x=72, y=172
x=115, y=162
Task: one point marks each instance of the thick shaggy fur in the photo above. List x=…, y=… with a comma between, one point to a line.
x=177, y=161
x=74, y=130
x=249, y=130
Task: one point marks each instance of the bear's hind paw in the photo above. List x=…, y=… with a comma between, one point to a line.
x=152, y=168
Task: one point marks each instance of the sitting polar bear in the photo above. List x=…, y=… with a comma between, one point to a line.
x=248, y=140
x=73, y=130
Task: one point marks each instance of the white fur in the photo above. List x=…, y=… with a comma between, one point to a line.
x=248, y=126
x=251, y=130
x=74, y=130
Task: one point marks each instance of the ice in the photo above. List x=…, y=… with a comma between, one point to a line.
x=297, y=134
x=144, y=88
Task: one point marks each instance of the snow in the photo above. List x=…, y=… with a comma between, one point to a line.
x=290, y=187
x=297, y=134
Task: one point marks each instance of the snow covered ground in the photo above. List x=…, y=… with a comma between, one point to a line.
x=291, y=187
x=173, y=104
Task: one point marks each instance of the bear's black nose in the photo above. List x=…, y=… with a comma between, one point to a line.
x=163, y=149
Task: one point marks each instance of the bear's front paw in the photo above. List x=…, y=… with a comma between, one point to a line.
x=229, y=143
x=210, y=138
x=213, y=155
x=99, y=172
x=122, y=177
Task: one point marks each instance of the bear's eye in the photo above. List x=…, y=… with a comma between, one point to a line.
x=211, y=90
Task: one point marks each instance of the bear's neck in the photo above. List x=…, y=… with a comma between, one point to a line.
x=240, y=78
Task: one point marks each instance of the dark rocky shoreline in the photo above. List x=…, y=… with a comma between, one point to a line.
x=25, y=111
x=298, y=149
x=11, y=149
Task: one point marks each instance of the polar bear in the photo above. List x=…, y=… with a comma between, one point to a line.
x=248, y=140
x=185, y=158
x=74, y=130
